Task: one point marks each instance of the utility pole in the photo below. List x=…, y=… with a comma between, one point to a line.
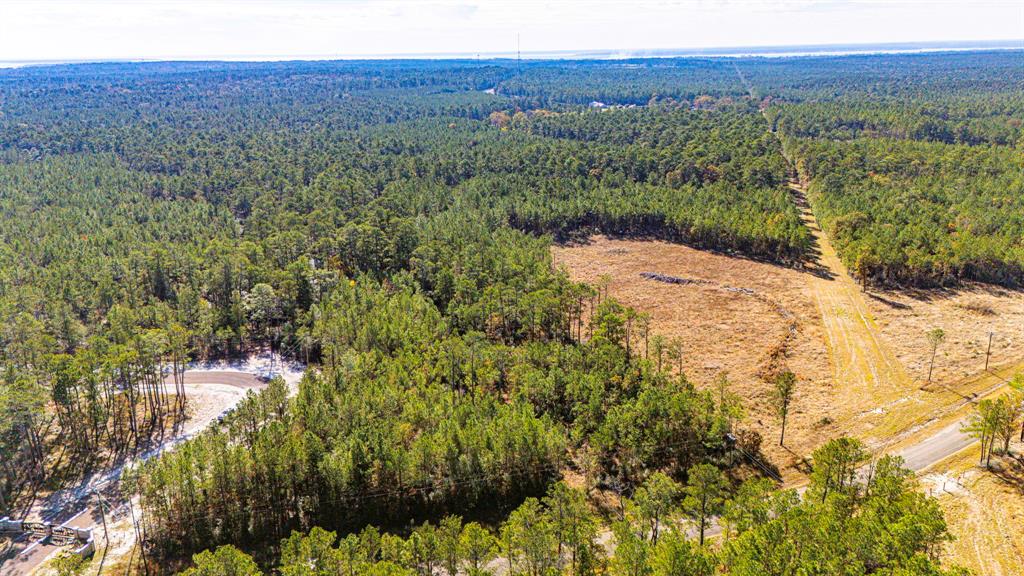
x=138, y=537
x=988, y=352
x=103, y=515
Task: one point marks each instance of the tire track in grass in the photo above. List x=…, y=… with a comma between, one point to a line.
x=867, y=375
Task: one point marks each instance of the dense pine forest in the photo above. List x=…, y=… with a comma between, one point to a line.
x=915, y=163
x=388, y=223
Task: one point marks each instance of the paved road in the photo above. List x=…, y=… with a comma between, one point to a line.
x=938, y=447
x=242, y=380
x=77, y=506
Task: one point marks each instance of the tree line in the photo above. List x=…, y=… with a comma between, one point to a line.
x=841, y=526
x=912, y=161
x=414, y=414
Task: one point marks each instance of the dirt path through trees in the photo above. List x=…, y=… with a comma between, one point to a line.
x=875, y=399
x=867, y=375
x=860, y=358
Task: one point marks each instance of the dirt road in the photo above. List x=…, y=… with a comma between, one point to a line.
x=872, y=389
x=862, y=362
x=871, y=384
x=210, y=392
x=882, y=404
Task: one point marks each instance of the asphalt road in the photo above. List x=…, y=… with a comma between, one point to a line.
x=938, y=447
x=236, y=379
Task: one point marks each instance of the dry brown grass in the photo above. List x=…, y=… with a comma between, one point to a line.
x=722, y=329
x=861, y=359
x=984, y=511
x=852, y=378
x=966, y=316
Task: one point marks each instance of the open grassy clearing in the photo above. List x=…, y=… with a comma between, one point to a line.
x=959, y=377
x=966, y=315
x=845, y=347
x=723, y=329
x=880, y=353
x=951, y=403
x=874, y=395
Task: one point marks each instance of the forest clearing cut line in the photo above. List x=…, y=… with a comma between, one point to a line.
x=862, y=362
x=870, y=376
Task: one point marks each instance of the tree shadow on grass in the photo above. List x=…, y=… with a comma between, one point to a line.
x=1011, y=472
x=887, y=302
x=803, y=464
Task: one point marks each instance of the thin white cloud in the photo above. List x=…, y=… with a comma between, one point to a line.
x=65, y=29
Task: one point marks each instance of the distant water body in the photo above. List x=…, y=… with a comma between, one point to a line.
x=721, y=52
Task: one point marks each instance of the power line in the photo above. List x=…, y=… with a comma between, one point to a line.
x=757, y=462
x=519, y=55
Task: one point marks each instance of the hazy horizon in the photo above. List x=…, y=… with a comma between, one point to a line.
x=116, y=30
x=779, y=51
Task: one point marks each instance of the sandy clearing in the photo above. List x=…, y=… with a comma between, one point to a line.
x=263, y=366
x=212, y=389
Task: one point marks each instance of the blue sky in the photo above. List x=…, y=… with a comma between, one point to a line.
x=113, y=29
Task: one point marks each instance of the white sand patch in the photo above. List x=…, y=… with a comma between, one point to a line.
x=939, y=483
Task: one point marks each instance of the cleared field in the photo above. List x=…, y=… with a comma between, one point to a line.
x=863, y=362
x=985, y=510
x=967, y=316
x=847, y=349
x=725, y=329
x=877, y=399
x=880, y=353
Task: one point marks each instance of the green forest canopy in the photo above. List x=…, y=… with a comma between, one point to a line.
x=389, y=223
